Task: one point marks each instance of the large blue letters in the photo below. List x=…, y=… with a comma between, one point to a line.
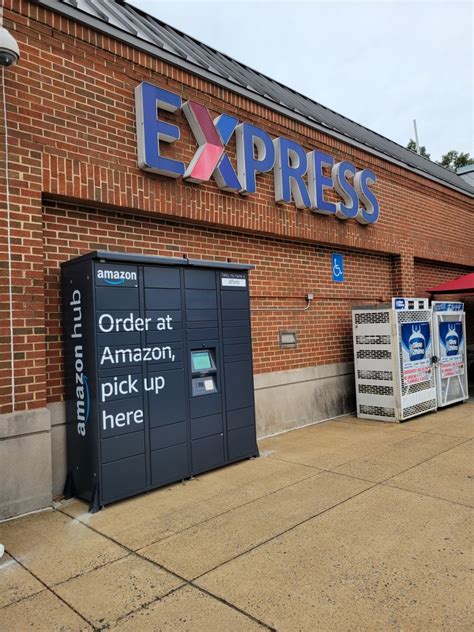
x=298, y=176
x=369, y=213
x=248, y=139
x=150, y=130
x=317, y=182
x=349, y=206
x=290, y=167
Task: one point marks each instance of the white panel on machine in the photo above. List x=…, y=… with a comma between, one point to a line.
x=393, y=360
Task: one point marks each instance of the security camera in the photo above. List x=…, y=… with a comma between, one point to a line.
x=9, y=51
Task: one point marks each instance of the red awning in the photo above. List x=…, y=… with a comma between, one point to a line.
x=463, y=284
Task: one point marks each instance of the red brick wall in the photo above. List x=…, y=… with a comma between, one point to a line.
x=429, y=274
x=285, y=272
x=72, y=136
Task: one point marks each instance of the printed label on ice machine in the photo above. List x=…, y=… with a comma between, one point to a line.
x=451, y=343
x=416, y=352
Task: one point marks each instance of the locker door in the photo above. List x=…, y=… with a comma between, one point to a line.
x=205, y=370
x=164, y=381
x=120, y=382
x=238, y=369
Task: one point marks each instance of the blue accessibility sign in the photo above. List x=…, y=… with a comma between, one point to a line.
x=337, y=263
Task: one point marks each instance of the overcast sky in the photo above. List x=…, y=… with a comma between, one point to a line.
x=380, y=63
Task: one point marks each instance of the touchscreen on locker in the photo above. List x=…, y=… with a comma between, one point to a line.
x=202, y=361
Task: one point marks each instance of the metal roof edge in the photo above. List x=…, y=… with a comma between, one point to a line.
x=108, y=255
x=153, y=50
x=222, y=265
x=466, y=169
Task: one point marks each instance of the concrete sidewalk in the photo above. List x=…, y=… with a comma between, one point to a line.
x=346, y=525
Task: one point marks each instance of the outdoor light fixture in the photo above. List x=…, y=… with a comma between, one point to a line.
x=9, y=50
x=288, y=339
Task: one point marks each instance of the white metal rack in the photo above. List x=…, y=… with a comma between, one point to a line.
x=393, y=360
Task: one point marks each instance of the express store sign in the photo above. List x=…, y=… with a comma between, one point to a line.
x=298, y=175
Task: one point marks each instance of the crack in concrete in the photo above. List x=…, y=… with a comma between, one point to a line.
x=48, y=588
x=274, y=537
x=413, y=491
x=461, y=442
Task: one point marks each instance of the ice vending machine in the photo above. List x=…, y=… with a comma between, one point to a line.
x=449, y=333
x=393, y=353
x=158, y=368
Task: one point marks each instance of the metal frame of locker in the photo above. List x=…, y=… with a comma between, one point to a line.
x=135, y=423
x=451, y=369
x=383, y=391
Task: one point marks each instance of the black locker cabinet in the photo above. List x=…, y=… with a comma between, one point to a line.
x=158, y=369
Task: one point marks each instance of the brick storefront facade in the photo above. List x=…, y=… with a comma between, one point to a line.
x=75, y=187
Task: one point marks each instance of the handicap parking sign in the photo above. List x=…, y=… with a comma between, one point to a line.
x=337, y=263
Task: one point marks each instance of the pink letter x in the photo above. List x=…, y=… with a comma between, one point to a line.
x=210, y=149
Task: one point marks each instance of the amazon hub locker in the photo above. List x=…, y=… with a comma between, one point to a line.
x=159, y=380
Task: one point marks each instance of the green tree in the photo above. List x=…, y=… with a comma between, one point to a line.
x=455, y=159
x=451, y=160
x=412, y=145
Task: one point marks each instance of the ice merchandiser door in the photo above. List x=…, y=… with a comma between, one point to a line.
x=416, y=379
x=449, y=329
